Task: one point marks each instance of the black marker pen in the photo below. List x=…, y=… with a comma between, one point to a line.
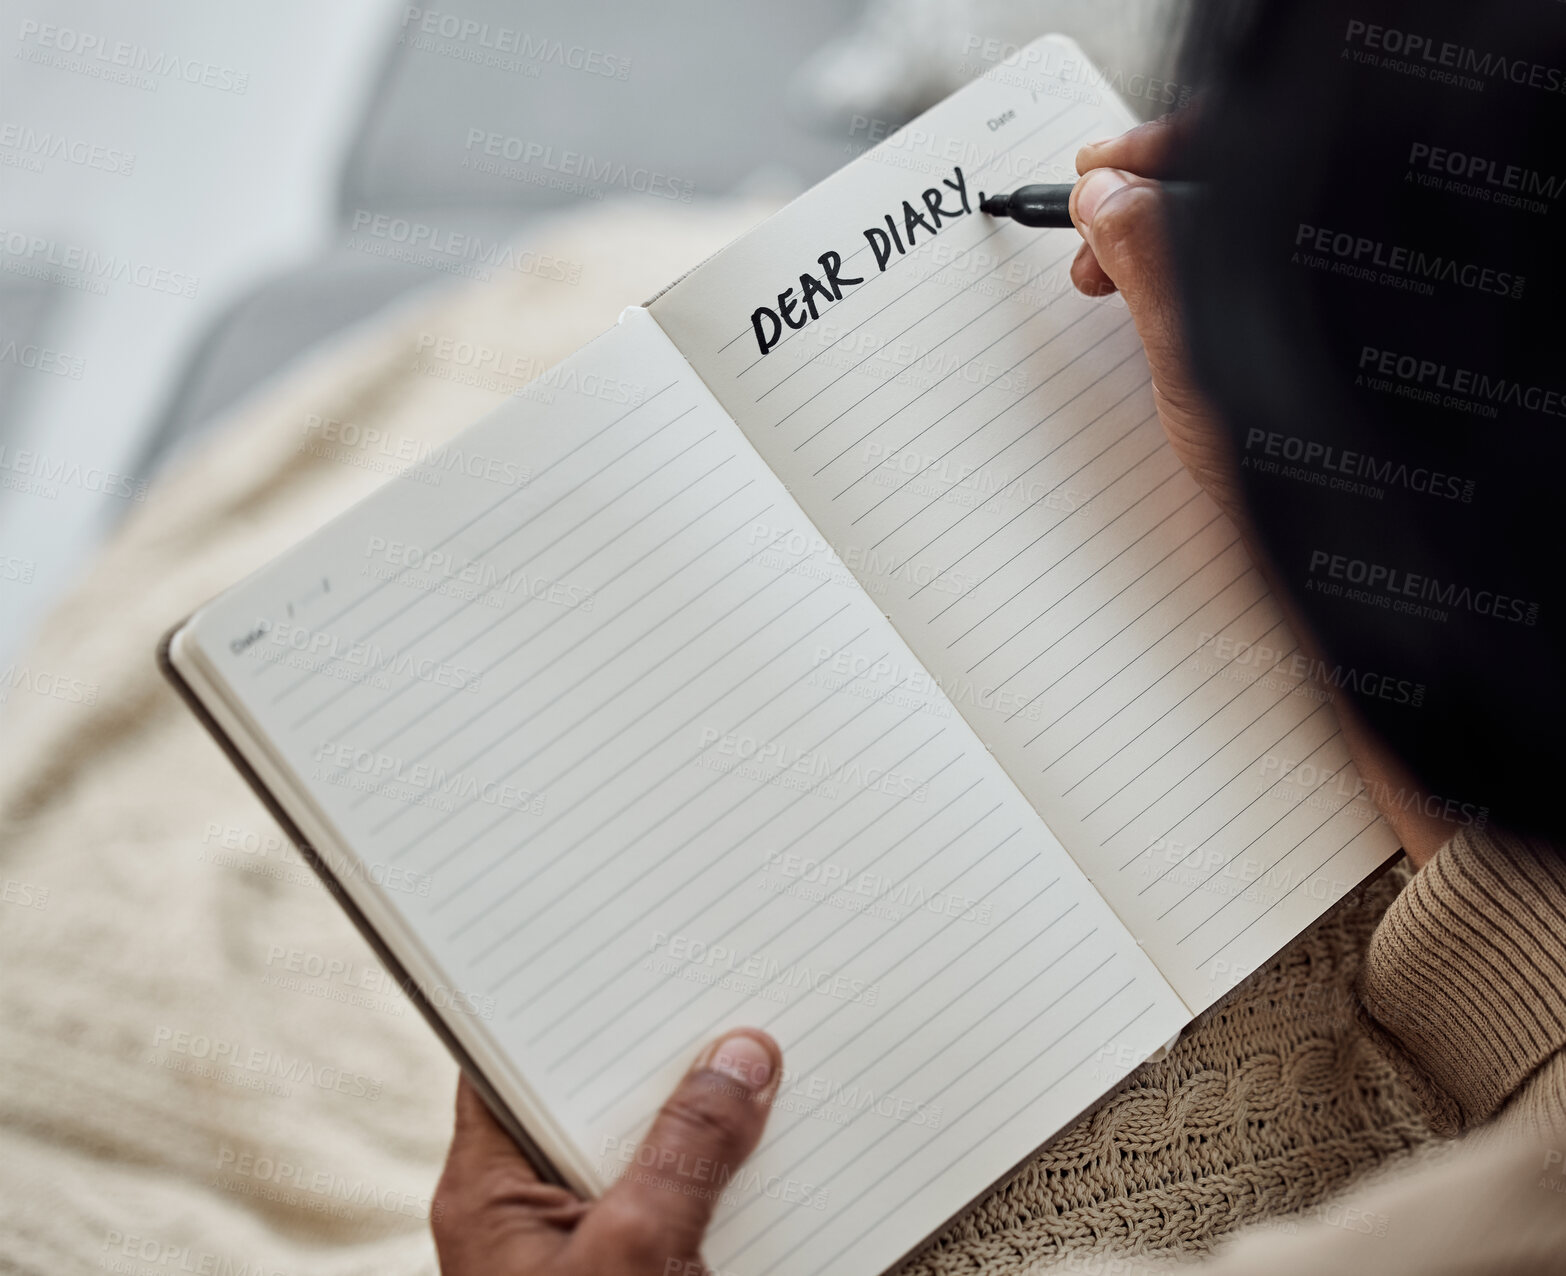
x=1043, y=205
x=1048, y=206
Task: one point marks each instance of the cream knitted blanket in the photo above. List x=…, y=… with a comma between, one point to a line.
x=201, y=1066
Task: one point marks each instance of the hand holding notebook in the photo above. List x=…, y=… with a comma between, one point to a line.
x=493, y=1217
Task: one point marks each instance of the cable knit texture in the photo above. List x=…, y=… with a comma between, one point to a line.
x=1464, y=983
x=1272, y=1102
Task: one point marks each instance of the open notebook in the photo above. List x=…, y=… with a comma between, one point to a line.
x=858, y=663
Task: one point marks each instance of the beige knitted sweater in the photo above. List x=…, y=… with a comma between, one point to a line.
x=1464, y=989
x=146, y=899
x=1464, y=986
x=1271, y=1106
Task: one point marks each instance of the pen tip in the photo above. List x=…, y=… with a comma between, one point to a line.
x=994, y=205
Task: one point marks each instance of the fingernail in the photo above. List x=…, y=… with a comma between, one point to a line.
x=1096, y=187
x=1084, y=157
x=742, y=1059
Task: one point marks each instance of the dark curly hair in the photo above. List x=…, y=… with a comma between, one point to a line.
x=1372, y=252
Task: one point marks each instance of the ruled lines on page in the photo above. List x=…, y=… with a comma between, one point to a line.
x=686, y=776
x=979, y=444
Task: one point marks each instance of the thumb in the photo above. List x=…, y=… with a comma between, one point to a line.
x=660, y=1208
x=1122, y=219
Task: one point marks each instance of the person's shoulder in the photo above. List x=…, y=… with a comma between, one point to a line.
x=1464, y=980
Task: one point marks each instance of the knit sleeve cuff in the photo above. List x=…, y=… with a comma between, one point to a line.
x=1464, y=981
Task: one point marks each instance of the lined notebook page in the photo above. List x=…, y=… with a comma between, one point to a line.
x=638, y=760
x=979, y=444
